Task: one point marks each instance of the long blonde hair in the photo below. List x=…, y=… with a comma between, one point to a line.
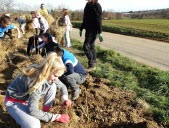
x=38, y=73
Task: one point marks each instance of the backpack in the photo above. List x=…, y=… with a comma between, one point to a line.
x=61, y=21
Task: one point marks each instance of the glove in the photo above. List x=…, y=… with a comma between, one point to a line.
x=67, y=103
x=40, y=39
x=64, y=118
x=46, y=108
x=100, y=37
x=80, y=33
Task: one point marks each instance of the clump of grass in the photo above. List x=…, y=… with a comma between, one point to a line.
x=58, y=32
x=49, y=18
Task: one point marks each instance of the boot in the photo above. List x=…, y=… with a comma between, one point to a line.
x=76, y=94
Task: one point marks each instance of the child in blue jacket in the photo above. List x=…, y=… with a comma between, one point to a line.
x=5, y=25
x=75, y=73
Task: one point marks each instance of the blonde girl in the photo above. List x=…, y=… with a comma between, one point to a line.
x=33, y=83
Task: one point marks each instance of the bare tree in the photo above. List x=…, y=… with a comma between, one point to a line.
x=2, y=7
x=24, y=7
x=6, y=5
x=9, y=4
x=118, y=16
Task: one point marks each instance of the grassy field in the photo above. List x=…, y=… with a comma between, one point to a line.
x=150, y=84
x=154, y=25
x=147, y=28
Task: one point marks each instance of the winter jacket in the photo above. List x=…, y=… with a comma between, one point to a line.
x=92, y=18
x=72, y=64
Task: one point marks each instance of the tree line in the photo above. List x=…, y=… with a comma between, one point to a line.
x=149, y=14
x=77, y=15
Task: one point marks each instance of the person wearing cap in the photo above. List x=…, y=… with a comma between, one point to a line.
x=92, y=23
x=43, y=11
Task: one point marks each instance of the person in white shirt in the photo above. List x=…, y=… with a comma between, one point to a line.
x=68, y=27
x=43, y=23
x=36, y=24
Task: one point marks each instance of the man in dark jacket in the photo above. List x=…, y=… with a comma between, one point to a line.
x=92, y=22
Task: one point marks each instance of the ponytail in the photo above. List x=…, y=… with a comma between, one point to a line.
x=39, y=73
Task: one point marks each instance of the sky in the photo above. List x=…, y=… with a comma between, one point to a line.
x=113, y=5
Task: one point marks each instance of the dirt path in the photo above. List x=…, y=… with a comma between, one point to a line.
x=153, y=53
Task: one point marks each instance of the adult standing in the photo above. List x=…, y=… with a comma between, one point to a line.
x=92, y=23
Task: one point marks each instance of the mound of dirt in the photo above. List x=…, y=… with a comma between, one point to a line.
x=99, y=105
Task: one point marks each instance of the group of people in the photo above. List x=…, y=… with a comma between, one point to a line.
x=39, y=23
x=58, y=70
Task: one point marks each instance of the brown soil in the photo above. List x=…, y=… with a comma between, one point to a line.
x=99, y=104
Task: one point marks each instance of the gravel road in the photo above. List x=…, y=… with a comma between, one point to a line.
x=150, y=52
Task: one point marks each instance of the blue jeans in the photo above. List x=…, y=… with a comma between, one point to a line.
x=21, y=114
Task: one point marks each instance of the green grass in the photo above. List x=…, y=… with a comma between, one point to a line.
x=154, y=25
x=149, y=83
x=147, y=28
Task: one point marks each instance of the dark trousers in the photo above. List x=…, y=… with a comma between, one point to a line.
x=33, y=42
x=41, y=32
x=8, y=33
x=89, y=47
